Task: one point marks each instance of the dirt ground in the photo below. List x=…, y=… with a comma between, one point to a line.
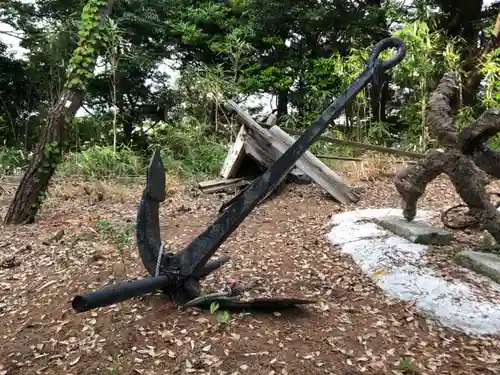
x=354, y=328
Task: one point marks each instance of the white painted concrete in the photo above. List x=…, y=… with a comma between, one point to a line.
x=399, y=268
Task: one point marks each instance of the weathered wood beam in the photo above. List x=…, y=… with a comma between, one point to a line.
x=336, y=187
x=235, y=156
x=332, y=182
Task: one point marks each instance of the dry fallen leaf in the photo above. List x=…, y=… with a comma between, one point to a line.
x=75, y=361
x=281, y=244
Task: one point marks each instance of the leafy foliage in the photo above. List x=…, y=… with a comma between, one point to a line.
x=302, y=54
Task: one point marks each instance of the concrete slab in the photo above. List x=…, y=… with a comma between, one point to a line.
x=486, y=264
x=415, y=231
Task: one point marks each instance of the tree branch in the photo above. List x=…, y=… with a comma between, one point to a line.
x=441, y=108
x=475, y=76
x=488, y=160
x=412, y=181
x=485, y=127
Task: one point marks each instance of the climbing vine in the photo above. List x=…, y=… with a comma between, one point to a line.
x=52, y=154
x=91, y=36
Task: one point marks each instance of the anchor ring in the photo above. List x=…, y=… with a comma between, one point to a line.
x=385, y=44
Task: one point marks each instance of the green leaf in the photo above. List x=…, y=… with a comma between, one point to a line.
x=223, y=317
x=214, y=306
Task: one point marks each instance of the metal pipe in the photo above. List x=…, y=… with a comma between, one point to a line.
x=120, y=292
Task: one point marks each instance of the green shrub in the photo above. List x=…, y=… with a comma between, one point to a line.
x=12, y=161
x=102, y=161
x=187, y=152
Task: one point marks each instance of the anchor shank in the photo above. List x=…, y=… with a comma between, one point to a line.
x=199, y=251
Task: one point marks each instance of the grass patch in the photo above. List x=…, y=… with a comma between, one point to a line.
x=102, y=162
x=96, y=161
x=13, y=161
x=188, y=160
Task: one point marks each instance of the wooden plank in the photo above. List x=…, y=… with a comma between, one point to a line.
x=234, y=156
x=266, y=158
x=298, y=176
x=261, y=136
x=227, y=187
x=218, y=182
x=272, y=120
x=318, y=171
x=348, y=158
x=256, y=131
x=337, y=188
x=335, y=157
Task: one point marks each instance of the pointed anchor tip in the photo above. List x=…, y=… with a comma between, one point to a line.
x=155, y=184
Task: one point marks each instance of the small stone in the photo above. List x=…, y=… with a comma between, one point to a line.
x=415, y=231
x=486, y=264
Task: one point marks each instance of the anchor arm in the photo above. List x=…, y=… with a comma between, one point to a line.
x=148, y=222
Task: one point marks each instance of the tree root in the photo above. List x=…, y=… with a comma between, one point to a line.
x=469, y=221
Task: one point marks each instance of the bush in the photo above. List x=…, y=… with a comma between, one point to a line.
x=187, y=152
x=102, y=161
x=13, y=161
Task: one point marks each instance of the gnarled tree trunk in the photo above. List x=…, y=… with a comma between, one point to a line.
x=466, y=160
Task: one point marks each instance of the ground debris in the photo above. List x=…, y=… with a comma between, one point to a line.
x=10, y=261
x=282, y=245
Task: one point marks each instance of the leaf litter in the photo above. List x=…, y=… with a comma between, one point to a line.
x=282, y=246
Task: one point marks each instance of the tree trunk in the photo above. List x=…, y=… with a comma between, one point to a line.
x=128, y=128
x=282, y=104
x=474, y=76
x=31, y=191
x=460, y=19
x=379, y=94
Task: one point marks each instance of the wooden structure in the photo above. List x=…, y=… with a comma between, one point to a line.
x=265, y=146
